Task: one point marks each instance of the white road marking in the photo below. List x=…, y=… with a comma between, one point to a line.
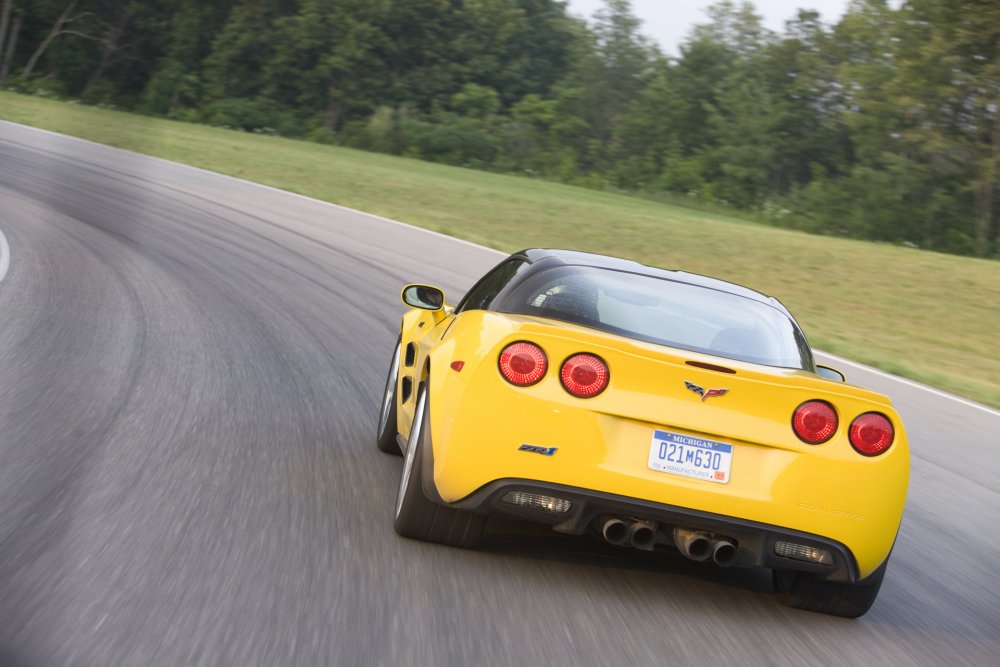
x=911, y=383
x=499, y=253
x=4, y=255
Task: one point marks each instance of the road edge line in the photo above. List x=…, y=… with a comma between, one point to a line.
x=911, y=383
x=4, y=255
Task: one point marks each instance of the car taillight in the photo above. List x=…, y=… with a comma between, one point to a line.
x=584, y=375
x=523, y=363
x=871, y=434
x=814, y=422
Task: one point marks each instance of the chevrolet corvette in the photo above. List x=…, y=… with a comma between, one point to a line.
x=654, y=409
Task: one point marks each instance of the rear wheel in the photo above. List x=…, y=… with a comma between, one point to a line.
x=386, y=437
x=416, y=516
x=804, y=591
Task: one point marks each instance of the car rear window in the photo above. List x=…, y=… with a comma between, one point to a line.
x=657, y=310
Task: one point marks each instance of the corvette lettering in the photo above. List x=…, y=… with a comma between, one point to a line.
x=834, y=512
x=705, y=394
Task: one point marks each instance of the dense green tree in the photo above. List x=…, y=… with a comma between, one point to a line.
x=647, y=137
x=617, y=68
x=809, y=136
x=745, y=138
x=242, y=48
x=738, y=27
x=948, y=93
x=697, y=80
x=177, y=80
x=328, y=59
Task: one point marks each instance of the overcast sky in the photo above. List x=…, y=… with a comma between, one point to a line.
x=670, y=21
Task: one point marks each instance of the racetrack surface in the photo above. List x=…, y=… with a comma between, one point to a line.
x=191, y=370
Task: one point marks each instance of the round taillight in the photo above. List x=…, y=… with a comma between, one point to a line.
x=814, y=422
x=871, y=434
x=523, y=363
x=584, y=375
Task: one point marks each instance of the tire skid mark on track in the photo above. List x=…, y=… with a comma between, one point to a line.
x=129, y=178
x=50, y=513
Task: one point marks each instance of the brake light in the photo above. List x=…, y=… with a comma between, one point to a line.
x=523, y=364
x=814, y=422
x=584, y=375
x=871, y=434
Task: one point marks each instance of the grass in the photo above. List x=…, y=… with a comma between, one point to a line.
x=931, y=317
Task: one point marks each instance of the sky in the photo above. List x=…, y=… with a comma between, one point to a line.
x=669, y=21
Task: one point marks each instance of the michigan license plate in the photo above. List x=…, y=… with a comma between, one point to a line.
x=691, y=457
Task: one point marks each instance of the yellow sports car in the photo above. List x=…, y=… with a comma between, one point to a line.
x=653, y=408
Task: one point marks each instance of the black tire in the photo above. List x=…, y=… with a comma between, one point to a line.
x=386, y=435
x=804, y=591
x=416, y=516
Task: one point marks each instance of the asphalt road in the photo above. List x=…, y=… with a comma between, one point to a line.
x=190, y=370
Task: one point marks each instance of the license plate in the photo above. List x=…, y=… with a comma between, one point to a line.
x=691, y=457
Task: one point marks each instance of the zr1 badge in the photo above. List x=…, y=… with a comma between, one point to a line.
x=535, y=449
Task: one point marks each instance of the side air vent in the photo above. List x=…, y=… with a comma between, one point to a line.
x=411, y=355
x=407, y=389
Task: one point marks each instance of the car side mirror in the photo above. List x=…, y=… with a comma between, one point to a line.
x=423, y=296
x=830, y=373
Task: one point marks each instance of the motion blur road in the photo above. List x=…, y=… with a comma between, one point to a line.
x=190, y=370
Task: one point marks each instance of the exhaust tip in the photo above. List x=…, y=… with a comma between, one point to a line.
x=725, y=554
x=693, y=544
x=642, y=535
x=615, y=531
x=699, y=548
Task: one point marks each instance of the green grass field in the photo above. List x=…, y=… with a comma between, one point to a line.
x=931, y=317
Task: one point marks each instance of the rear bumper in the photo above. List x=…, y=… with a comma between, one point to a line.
x=599, y=449
x=828, y=492
x=755, y=540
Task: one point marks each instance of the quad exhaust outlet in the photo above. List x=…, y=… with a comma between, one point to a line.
x=697, y=545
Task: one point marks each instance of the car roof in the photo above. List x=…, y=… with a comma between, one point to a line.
x=544, y=257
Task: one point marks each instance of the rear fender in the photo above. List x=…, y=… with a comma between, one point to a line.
x=421, y=331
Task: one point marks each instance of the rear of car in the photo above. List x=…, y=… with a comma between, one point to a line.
x=632, y=440
x=654, y=410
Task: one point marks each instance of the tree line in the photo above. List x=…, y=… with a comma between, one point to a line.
x=884, y=126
